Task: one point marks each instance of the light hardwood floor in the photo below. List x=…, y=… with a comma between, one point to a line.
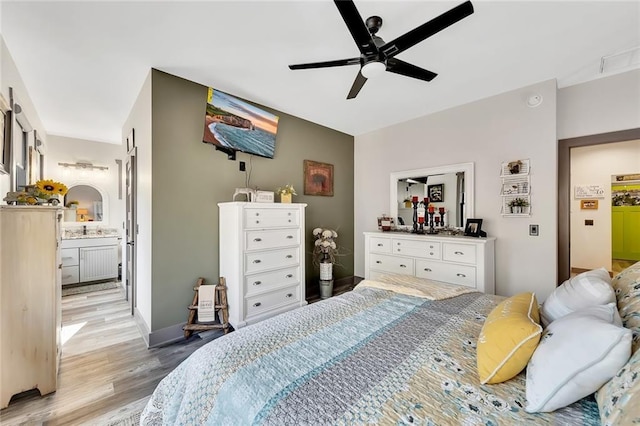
x=105, y=365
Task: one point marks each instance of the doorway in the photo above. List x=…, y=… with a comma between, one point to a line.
x=565, y=191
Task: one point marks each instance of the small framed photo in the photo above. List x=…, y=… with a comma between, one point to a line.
x=385, y=223
x=473, y=228
x=436, y=193
x=588, y=204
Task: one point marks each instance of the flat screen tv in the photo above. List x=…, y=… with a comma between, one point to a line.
x=234, y=125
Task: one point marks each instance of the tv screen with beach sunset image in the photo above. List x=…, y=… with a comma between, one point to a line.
x=233, y=124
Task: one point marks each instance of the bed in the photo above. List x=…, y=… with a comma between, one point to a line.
x=370, y=356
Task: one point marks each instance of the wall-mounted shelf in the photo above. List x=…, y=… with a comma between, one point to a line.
x=516, y=184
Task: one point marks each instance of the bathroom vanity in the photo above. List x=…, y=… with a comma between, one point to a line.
x=89, y=258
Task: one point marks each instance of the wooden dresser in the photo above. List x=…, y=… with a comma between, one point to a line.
x=457, y=260
x=30, y=299
x=262, y=258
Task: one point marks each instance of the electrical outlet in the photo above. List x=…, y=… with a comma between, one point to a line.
x=534, y=230
x=242, y=166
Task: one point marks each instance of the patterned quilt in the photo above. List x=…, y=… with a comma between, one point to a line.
x=370, y=356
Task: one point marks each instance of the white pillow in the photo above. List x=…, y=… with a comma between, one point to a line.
x=577, y=354
x=587, y=289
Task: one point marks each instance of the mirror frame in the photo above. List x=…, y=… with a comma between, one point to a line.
x=469, y=184
x=105, y=203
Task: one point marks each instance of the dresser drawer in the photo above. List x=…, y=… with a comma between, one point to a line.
x=380, y=245
x=265, y=260
x=70, y=274
x=264, y=281
x=394, y=264
x=256, y=240
x=258, y=304
x=69, y=257
x=425, y=249
x=270, y=218
x=447, y=272
x=463, y=253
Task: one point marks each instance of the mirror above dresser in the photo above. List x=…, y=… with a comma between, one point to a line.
x=452, y=187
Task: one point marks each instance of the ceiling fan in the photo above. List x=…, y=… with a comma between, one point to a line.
x=376, y=55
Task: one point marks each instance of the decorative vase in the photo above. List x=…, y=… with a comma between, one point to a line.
x=285, y=198
x=326, y=277
x=326, y=289
x=70, y=215
x=326, y=268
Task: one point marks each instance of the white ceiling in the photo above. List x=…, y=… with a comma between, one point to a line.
x=84, y=63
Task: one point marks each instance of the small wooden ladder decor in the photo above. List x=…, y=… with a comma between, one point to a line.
x=221, y=307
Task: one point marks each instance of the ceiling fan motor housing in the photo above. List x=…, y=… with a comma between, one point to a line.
x=373, y=24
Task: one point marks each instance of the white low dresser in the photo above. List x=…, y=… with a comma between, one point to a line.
x=262, y=259
x=456, y=260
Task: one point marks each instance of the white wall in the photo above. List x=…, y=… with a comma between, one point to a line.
x=69, y=150
x=600, y=106
x=140, y=120
x=594, y=165
x=10, y=77
x=487, y=132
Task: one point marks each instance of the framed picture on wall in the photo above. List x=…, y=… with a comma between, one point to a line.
x=5, y=136
x=318, y=178
x=436, y=193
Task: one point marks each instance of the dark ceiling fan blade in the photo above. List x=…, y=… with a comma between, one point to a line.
x=427, y=29
x=357, y=85
x=404, y=68
x=326, y=64
x=356, y=26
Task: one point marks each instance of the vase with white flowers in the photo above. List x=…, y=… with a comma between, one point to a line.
x=324, y=254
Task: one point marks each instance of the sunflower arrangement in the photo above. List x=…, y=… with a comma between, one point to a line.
x=44, y=191
x=49, y=187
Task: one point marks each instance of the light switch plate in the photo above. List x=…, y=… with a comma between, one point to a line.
x=534, y=230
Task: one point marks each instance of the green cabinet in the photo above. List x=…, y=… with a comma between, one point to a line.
x=625, y=232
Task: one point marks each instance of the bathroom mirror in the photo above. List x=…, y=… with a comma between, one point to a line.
x=90, y=207
x=450, y=187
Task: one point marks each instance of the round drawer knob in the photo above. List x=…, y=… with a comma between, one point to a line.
x=379, y=244
x=257, y=221
x=377, y=261
x=431, y=253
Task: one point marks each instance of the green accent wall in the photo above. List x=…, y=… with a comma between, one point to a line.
x=190, y=177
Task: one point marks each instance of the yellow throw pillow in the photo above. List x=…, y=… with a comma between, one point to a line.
x=508, y=338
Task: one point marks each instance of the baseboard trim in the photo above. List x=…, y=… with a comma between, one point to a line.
x=142, y=326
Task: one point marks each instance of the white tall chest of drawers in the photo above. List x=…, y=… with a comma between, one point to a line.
x=262, y=259
x=456, y=260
